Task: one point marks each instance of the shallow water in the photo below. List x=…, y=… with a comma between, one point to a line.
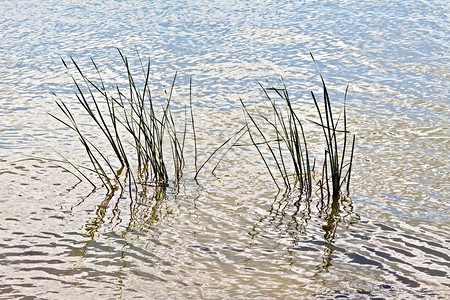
x=230, y=235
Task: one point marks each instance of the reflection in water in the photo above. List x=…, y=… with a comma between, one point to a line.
x=115, y=231
x=331, y=216
x=124, y=240
x=293, y=214
x=145, y=209
x=149, y=208
x=340, y=210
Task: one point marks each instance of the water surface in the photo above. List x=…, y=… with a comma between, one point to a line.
x=230, y=235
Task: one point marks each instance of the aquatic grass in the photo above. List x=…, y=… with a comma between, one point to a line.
x=265, y=142
x=193, y=126
x=280, y=140
x=336, y=167
x=289, y=134
x=293, y=136
x=136, y=132
x=241, y=132
x=90, y=148
x=142, y=134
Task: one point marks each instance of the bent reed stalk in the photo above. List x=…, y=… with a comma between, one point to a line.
x=130, y=123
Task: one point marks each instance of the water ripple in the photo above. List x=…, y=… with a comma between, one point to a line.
x=230, y=232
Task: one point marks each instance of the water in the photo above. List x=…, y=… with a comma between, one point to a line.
x=230, y=235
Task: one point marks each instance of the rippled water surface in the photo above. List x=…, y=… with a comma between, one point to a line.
x=230, y=235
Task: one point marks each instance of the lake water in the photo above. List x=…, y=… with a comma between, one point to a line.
x=230, y=235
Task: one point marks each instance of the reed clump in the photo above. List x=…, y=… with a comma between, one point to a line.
x=288, y=134
x=139, y=131
x=281, y=142
x=337, y=165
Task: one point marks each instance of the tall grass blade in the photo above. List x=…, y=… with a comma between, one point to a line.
x=128, y=120
x=193, y=125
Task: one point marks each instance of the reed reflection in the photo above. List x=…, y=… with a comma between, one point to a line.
x=337, y=210
x=149, y=208
x=126, y=218
x=304, y=219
